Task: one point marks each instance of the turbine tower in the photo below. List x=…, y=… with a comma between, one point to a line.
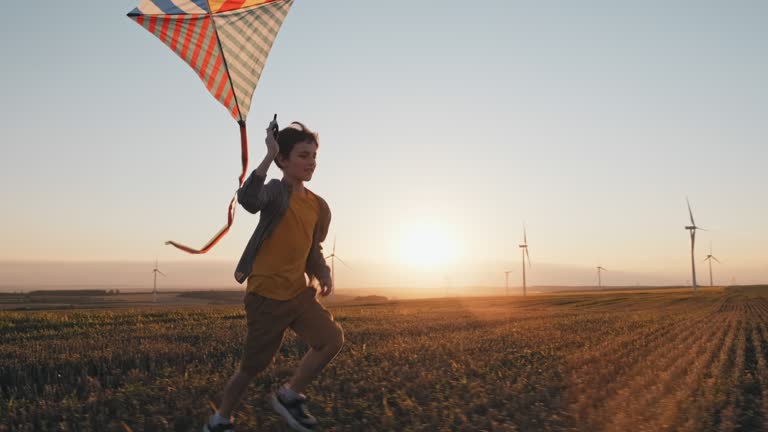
x=506, y=282
x=599, y=276
x=333, y=258
x=154, y=286
x=709, y=258
x=524, y=252
x=692, y=229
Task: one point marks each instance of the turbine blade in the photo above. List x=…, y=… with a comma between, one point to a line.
x=717, y=260
x=161, y=273
x=342, y=261
x=528, y=256
x=334, y=245
x=525, y=236
x=690, y=212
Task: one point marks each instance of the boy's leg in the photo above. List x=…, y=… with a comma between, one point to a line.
x=263, y=340
x=233, y=392
x=316, y=327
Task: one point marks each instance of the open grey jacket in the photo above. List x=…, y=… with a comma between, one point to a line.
x=272, y=200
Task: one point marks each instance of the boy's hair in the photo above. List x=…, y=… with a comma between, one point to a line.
x=295, y=133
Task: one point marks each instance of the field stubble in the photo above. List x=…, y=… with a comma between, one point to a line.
x=603, y=362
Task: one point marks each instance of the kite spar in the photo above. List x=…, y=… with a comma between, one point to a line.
x=226, y=42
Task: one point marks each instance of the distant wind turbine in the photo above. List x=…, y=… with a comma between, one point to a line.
x=506, y=282
x=524, y=251
x=709, y=258
x=154, y=287
x=599, y=278
x=692, y=229
x=333, y=258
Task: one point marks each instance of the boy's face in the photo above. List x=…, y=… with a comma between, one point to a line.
x=301, y=162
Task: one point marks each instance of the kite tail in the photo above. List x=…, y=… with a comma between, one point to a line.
x=232, y=204
x=243, y=151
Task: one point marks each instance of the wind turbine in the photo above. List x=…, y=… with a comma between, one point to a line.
x=506, y=282
x=154, y=287
x=709, y=258
x=692, y=229
x=524, y=252
x=333, y=258
x=599, y=278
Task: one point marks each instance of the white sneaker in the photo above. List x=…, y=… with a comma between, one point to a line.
x=295, y=412
x=221, y=427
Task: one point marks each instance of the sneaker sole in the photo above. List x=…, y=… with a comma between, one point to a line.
x=206, y=428
x=280, y=409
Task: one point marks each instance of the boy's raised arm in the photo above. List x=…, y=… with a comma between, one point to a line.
x=253, y=195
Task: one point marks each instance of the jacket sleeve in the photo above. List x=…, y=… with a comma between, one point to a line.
x=253, y=195
x=317, y=268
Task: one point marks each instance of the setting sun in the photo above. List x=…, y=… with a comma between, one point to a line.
x=428, y=245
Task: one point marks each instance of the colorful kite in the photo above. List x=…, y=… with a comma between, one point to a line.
x=227, y=43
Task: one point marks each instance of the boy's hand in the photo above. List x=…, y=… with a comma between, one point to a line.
x=270, y=140
x=326, y=287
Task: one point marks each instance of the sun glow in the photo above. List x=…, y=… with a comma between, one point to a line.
x=428, y=245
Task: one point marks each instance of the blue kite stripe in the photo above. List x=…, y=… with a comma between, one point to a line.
x=203, y=4
x=168, y=7
x=171, y=7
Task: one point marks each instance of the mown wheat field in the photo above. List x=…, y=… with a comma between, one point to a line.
x=647, y=361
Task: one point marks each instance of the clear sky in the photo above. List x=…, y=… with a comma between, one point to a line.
x=444, y=127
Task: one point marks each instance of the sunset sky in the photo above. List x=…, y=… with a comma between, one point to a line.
x=444, y=127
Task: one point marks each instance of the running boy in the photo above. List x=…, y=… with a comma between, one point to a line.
x=285, y=245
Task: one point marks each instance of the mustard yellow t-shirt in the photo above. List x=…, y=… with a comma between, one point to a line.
x=278, y=269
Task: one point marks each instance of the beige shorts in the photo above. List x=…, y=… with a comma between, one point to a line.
x=268, y=319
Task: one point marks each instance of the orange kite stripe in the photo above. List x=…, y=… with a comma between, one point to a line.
x=176, y=34
x=152, y=24
x=208, y=53
x=213, y=75
x=188, y=39
x=164, y=30
x=231, y=4
x=228, y=5
x=198, y=46
x=220, y=88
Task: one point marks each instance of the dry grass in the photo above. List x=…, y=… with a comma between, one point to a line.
x=646, y=361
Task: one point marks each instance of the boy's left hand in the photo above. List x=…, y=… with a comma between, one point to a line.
x=326, y=287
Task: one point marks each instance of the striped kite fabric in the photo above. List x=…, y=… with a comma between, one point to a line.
x=226, y=42
x=193, y=39
x=169, y=7
x=181, y=7
x=227, y=48
x=246, y=37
